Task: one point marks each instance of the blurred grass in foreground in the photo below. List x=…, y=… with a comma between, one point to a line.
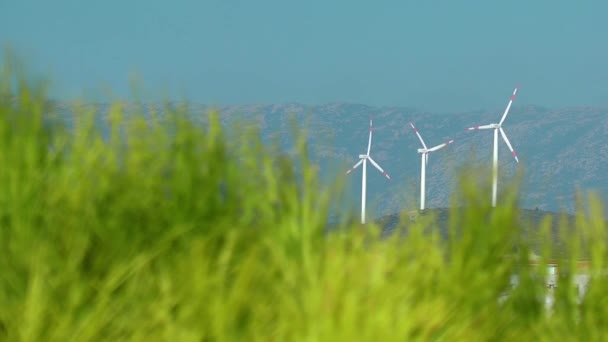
x=169, y=232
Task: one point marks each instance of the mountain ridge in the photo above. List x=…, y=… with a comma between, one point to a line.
x=560, y=149
x=527, y=221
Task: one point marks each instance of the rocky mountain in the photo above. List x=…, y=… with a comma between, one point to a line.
x=560, y=150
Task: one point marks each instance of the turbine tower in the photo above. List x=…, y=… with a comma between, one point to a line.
x=498, y=127
x=363, y=158
x=424, y=151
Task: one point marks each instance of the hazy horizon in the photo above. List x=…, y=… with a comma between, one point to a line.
x=439, y=56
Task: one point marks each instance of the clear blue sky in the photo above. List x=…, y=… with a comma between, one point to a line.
x=436, y=55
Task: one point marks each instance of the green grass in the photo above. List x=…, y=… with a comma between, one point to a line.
x=169, y=232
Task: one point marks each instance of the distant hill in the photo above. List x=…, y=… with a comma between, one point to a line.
x=561, y=150
x=527, y=221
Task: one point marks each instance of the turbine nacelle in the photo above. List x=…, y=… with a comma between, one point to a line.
x=435, y=148
x=363, y=156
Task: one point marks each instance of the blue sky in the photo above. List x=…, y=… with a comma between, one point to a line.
x=435, y=55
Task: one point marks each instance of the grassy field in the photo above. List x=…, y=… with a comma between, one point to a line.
x=169, y=232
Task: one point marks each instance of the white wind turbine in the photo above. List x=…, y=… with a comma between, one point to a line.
x=498, y=127
x=363, y=158
x=425, y=159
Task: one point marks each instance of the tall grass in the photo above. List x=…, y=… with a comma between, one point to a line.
x=169, y=232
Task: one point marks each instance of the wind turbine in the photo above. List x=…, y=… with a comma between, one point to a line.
x=425, y=159
x=363, y=158
x=498, y=127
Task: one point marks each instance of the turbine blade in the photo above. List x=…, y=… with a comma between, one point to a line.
x=475, y=128
x=440, y=146
x=369, y=144
x=504, y=136
x=504, y=116
x=355, y=166
x=378, y=167
x=426, y=159
x=418, y=134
